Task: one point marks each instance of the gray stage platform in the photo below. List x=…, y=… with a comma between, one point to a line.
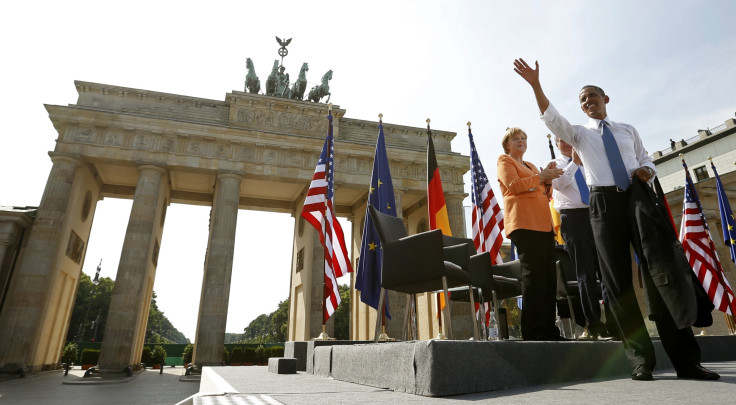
x=441, y=368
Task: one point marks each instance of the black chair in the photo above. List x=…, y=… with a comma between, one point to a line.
x=417, y=263
x=567, y=285
x=496, y=282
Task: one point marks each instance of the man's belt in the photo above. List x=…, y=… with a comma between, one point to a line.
x=606, y=189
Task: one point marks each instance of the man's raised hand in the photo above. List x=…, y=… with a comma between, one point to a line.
x=526, y=72
x=532, y=77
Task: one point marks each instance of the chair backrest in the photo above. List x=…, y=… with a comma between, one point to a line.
x=455, y=241
x=568, y=269
x=565, y=272
x=389, y=228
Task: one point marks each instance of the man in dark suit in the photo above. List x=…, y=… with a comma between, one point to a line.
x=612, y=154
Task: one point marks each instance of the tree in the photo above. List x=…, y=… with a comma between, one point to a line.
x=159, y=328
x=280, y=321
x=70, y=353
x=274, y=327
x=89, y=314
x=258, y=330
x=342, y=314
x=158, y=355
x=271, y=328
x=186, y=356
x=92, y=304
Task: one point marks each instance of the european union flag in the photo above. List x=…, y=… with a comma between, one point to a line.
x=727, y=220
x=381, y=196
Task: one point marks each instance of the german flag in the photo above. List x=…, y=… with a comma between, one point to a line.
x=438, y=218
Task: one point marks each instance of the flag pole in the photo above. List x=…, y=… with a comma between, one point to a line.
x=383, y=337
x=705, y=224
x=324, y=335
x=551, y=149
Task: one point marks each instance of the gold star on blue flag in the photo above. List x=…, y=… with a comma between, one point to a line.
x=381, y=196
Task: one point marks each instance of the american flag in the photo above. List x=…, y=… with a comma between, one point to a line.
x=700, y=251
x=318, y=211
x=487, y=215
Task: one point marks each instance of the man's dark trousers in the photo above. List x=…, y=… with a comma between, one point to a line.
x=611, y=226
x=578, y=236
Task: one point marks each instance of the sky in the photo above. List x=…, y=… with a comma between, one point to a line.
x=669, y=68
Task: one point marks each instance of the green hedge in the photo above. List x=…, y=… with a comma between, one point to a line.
x=236, y=355
x=90, y=356
x=176, y=351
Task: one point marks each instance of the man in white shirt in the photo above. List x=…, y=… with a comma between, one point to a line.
x=612, y=154
x=571, y=196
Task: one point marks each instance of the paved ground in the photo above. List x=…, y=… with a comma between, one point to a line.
x=257, y=386
x=148, y=387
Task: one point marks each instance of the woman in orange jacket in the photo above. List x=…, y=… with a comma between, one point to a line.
x=528, y=223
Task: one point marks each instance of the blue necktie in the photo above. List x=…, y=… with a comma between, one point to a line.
x=582, y=186
x=620, y=175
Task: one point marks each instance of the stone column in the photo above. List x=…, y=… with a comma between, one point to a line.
x=213, y=302
x=27, y=304
x=455, y=212
x=131, y=297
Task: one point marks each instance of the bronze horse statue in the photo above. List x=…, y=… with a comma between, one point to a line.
x=252, y=82
x=300, y=84
x=322, y=90
x=273, y=78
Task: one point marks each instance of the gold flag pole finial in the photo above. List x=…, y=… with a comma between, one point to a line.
x=329, y=107
x=380, y=117
x=682, y=157
x=549, y=136
x=710, y=158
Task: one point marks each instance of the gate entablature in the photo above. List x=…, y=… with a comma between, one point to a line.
x=268, y=140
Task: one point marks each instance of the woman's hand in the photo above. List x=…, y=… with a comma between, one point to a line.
x=550, y=173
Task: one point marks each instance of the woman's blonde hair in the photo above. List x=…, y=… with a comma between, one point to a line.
x=507, y=136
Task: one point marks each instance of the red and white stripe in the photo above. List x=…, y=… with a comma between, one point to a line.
x=696, y=241
x=486, y=310
x=318, y=211
x=488, y=225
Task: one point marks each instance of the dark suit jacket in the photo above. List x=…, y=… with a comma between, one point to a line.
x=662, y=256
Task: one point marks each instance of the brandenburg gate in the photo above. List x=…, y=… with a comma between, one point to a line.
x=249, y=151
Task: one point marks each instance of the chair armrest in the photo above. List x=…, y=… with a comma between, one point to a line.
x=510, y=269
x=458, y=255
x=507, y=279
